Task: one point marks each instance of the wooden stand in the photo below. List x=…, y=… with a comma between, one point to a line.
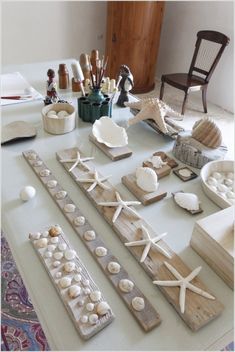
x=113, y=153
x=199, y=310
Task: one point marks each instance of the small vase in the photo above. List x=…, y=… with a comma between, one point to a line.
x=96, y=96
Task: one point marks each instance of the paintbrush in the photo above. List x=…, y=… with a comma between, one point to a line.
x=91, y=74
x=103, y=70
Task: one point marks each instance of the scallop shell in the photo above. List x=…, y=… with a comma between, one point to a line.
x=102, y=308
x=69, y=208
x=61, y=195
x=100, y=251
x=74, y=291
x=126, y=285
x=65, y=282
x=114, y=267
x=146, y=179
x=138, y=303
x=95, y=296
x=89, y=235
x=70, y=254
x=106, y=131
x=79, y=221
x=187, y=201
x=208, y=133
x=69, y=267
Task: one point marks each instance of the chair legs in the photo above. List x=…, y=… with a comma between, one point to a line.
x=161, y=91
x=204, y=100
x=184, y=103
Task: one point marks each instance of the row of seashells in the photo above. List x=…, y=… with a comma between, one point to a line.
x=222, y=183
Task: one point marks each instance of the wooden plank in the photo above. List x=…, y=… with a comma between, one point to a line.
x=113, y=153
x=86, y=330
x=199, y=310
x=149, y=317
x=144, y=197
x=193, y=212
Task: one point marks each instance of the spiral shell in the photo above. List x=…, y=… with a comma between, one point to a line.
x=208, y=133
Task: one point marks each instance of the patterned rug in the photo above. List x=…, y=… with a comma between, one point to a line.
x=20, y=328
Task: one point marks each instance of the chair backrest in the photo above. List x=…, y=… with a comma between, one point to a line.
x=208, y=50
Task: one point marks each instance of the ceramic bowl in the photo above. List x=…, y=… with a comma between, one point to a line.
x=206, y=171
x=59, y=125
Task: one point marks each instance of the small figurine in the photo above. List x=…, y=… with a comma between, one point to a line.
x=126, y=83
x=51, y=96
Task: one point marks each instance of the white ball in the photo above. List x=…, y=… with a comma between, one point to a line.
x=51, y=113
x=27, y=193
x=222, y=188
x=217, y=175
x=61, y=114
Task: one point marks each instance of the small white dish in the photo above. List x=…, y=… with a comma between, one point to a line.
x=58, y=125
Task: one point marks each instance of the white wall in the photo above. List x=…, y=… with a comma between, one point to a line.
x=48, y=30
x=182, y=20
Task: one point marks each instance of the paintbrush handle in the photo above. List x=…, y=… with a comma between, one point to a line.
x=17, y=97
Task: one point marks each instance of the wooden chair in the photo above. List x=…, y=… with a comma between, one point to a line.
x=208, y=50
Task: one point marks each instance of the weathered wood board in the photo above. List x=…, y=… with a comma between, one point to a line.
x=144, y=197
x=86, y=330
x=193, y=212
x=113, y=153
x=185, y=178
x=199, y=310
x=213, y=240
x=149, y=317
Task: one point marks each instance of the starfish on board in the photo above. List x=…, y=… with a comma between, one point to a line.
x=183, y=283
x=78, y=160
x=149, y=243
x=96, y=180
x=121, y=204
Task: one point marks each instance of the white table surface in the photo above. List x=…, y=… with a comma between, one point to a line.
x=18, y=219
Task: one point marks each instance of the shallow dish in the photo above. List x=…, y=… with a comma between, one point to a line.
x=59, y=125
x=206, y=171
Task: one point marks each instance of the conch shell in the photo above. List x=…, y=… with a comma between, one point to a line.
x=146, y=179
x=208, y=133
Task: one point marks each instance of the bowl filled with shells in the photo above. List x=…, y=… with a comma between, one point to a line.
x=58, y=118
x=218, y=182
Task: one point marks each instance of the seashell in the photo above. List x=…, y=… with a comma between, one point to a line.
x=208, y=133
x=230, y=175
x=56, y=263
x=35, y=236
x=114, y=267
x=146, y=179
x=87, y=291
x=84, y=319
x=65, y=282
x=228, y=182
x=222, y=188
x=32, y=156
x=74, y=291
x=81, y=302
x=157, y=162
x=185, y=172
x=95, y=296
x=102, y=308
x=45, y=234
x=58, y=255
x=217, y=175
x=53, y=116
x=86, y=282
x=230, y=195
x=79, y=269
x=77, y=277
x=126, y=285
x=69, y=208
x=69, y=267
x=27, y=193
x=42, y=242
x=48, y=254
x=52, y=183
x=138, y=303
x=61, y=195
x=79, y=221
x=93, y=318
x=38, y=163
x=62, y=246
x=90, y=307
x=55, y=231
x=101, y=251
x=70, y=254
x=89, y=235
x=187, y=201
x=213, y=188
x=62, y=114
x=106, y=131
x=58, y=274
x=54, y=240
x=44, y=172
x=212, y=181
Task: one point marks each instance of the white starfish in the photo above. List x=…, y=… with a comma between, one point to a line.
x=95, y=181
x=77, y=161
x=121, y=204
x=183, y=283
x=148, y=242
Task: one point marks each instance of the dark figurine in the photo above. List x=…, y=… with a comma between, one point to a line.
x=126, y=83
x=52, y=96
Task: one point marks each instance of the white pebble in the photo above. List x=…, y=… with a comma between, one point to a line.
x=62, y=246
x=100, y=251
x=79, y=221
x=93, y=318
x=70, y=254
x=213, y=188
x=90, y=307
x=27, y=193
x=32, y=156
x=58, y=255
x=84, y=319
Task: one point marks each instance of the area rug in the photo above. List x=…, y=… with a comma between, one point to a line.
x=20, y=328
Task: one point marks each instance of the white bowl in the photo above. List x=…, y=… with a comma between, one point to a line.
x=207, y=170
x=59, y=125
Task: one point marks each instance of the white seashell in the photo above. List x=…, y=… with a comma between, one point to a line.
x=157, y=161
x=62, y=246
x=51, y=112
x=79, y=221
x=146, y=179
x=114, y=267
x=101, y=251
x=106, y=131
x=81, y=302
x=70, y=254
x=102, y=308
x=56, y=263
x=52, y=183
x=138, y=303
x=58, y=274
x=74, y=291
x=90, y=307
x=27, y=193
x=61, y=194
x=45, y=173
x=55, y=231
x=86, y=282
x=84, y=319
x=93, y=318
x=95, y=296
x=230, y=195
x=65, y=282
x=87, y=291
x=187, y=201
x=42, y=242
x=79, y=269
x=222, y=188
x=230, y=175
x=212, y=181
x=213, y=188
x=77, y=277
x=217, y=175
x=48, y=254
x=69, y=267
x=228, y=182
x=126, y=285
x=58, y=255
x=185, y=172
x=69, y=208
x=38, y=163
x=45, y=234
x=32, y=156
x=54, y=240
x=35, y=236
x=62, y=114
x=89, y=235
